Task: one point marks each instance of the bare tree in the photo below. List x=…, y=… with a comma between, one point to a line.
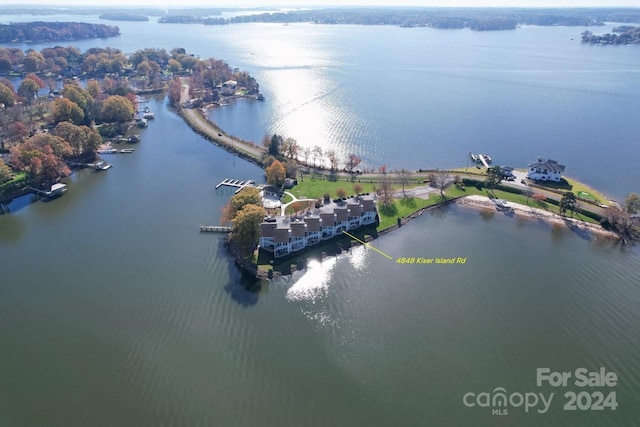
x=404, y=176
x=442, y=179
x=333, y=160
x=306, y=153
x=316, y=153
x=386, y=191
x=352, y=162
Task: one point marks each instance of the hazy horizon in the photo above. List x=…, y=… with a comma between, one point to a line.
x=330, y=3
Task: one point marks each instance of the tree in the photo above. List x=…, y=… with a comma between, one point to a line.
x=28, y=89
x=341, y=193
x=5, y=172
x=568, y=202
x=404, y=176
x=82, y=139
x=245, y=231
x=42, y=157
x=385, y=190
x=621, y=223
x=117, y=108
x=442, y=179
x=290, y=148
x=316, y=153
x=631, y=203
x=246, y=196
x=64, y=110
x=274, y=145
x=358, y=188
x=352, y=162
x=174, y=66
x=276, y=174
x=175, y=91
x=6, y=96
x=333, y=160
x=494, y=177
x=93, y=88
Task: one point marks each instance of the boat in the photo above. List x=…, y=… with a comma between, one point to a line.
x=260, y=97
x=107, y=151
x=474, y=157
x=56, y=190
x=127, y=150
x=487, y=158
x=148, y=116
x=103, y=166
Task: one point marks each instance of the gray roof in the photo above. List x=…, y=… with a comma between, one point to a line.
x=548, y=164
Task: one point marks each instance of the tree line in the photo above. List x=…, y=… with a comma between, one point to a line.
x=38, y=32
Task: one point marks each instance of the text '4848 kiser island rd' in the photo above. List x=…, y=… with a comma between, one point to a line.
x=421, y=260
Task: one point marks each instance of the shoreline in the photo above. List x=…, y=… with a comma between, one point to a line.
x=531, y=213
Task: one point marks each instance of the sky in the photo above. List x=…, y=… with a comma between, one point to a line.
x=317, y=3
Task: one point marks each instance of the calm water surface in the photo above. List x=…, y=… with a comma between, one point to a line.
x=115, y=310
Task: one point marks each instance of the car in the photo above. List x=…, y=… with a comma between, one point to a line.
x=219, y=134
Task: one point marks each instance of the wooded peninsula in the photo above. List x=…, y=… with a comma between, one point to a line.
x=479, y=19
x=38, y=32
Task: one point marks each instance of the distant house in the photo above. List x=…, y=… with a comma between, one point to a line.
x=545, y=170
x=283, y=235
x=229, y=87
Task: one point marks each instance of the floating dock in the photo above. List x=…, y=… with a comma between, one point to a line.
x=228, y=182
x=215, y=229
x=485, y=159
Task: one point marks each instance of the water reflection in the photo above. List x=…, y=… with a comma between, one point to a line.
x=314, y=283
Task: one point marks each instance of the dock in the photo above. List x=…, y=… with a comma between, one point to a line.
x=228, y=182
x=485, y=159
x=215, y=229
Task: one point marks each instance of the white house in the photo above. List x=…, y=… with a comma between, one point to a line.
x=545, y=170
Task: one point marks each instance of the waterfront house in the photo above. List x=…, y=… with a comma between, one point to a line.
x=545, y=170
x=283, y=235
x=298, y=233
x=328, y=221
x=267, y=235
x=314, y=231
x=282, y=242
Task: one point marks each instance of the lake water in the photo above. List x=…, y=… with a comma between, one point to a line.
x=115, y=310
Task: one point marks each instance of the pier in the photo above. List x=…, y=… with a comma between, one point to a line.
x=215, y=229
x=228, y=182
x=485, y=159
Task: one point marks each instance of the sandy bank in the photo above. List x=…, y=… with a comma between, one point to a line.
x=528, y=212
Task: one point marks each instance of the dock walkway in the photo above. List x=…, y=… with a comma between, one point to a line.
x=228, y=182
x=215, y=229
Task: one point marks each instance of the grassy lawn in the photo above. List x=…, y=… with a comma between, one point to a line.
x=591, y=194
x=402, y=207
x=314, y=188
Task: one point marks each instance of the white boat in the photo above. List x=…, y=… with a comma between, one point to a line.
x=127, y=150
x=103, y=166
x=148, y=116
